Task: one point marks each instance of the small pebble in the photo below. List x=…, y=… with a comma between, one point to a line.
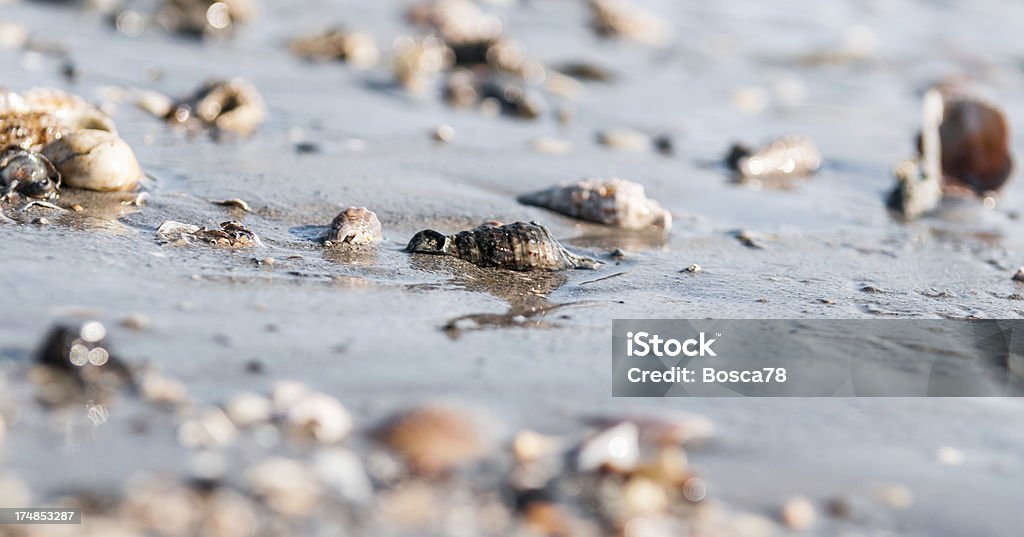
x=895, y=496
x=1019, y=276
x=693, y=269
x=248, y=409
x=950, y=456
x=320, y=417
x=285, y=485
x=624, y=139
x=798, y=513
x=137, y=322
x=444, y=134
x=160, y=389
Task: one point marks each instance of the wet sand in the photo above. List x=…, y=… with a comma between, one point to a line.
x=368, y=328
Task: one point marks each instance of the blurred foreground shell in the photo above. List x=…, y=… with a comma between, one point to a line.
x=619, y=18
x=787, y=156
x=230, y=235
x=918, y=187
x=434, y=439
x=29, y=174
x=615, y=202
x=95, y=160
x=457, y=21
x=205, y=17
x=227, y=105
x=975, y=142
x=519, y=246
x=78, y=364
x=356, y=48
x=418, y=61
x=500, y=93
x=355, y=225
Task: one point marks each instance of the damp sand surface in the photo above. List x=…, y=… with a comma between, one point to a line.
x=380, y=328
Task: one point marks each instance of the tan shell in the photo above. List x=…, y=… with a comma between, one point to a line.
x=418, y=61
x=615, y=202
x=355, y=48
x=434, y=439
x=355, y=225
x=786, y=156
x=619, y=18
x=95, y=160
x=229, y=105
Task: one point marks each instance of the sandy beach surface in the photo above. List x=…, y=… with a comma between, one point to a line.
x=368, y=327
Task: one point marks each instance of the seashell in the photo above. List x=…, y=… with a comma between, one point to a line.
x=513, y=97
x=95, y=160
x=29, y=174
x=71, y=111
x=199, y=17
x=434, y=439
x=975, y=143
x=787, y=156
x=798, y=513
x=519, y=246
x=355, y=225
x=625, y=139
x=343, y=473
x=615, y=202
x=248, y=409
x=619, y=18
x=77, y=363
x=227, y=105
x=616, y=448
x=356, y=48
x=209, y=430
x=161, y=389
x=418, y=61
x=230, y=235
x=320, y=417
x=285, y=485
x=456, y=21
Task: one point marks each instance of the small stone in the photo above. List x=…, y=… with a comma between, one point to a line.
x=285, y=485
x=529, y=446
x=895, y=496
x=233, y=202
x=1019, y=276
x=249, y=409
x=616, y=448
x=798, y=513
x=137, y=322
x=444, y=134
x=342, y=471
x=161, y=389
x=693, y=269
x=41, y=221
x=211, y=429
x=320, y=417
x=950, y=456
x=624, y=139
x=549, y=145
x=434, y=439
x=77, y=208
x=618, y=253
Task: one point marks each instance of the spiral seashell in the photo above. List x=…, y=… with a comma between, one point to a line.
x=29, y=174
x=355, y=225
x=519, y=246
x=615, y=202
x=95, y=160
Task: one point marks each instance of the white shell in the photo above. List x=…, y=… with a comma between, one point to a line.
x=95, y=160
x=615, y=202
x=355, y=225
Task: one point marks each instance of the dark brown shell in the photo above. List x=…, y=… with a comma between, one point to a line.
x=520, y=246
x=975, y=144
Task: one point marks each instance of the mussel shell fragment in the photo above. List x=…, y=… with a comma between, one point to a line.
x=28, y=173
x=615, y=202
x=520, y=246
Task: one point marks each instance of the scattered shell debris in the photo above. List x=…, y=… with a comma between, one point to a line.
x=614, y=202
x=520, y=246
x=355, y=226
x=787, y=156
x=358, y=49
x=230, y=235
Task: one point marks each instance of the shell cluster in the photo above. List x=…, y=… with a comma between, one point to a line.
x=787, y=156
x=355, y=226
x=614, y=202
x=520, y=246
x=60, y=137
x=229, y=235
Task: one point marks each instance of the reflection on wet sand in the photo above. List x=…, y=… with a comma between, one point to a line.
x=612, y=239
x=78, y=209
x=525, y=293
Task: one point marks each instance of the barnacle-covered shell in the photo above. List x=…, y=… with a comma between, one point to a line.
x=619, y=18
x=615, y=202
x=787, y=156
x=355, y=225
x=229, y=105
x=356, y=48
x=29, y=174
x=230, y=235
x=28, y=130
x=519, y=246
x=95, y=160
x=71, y=111
x=36, y=117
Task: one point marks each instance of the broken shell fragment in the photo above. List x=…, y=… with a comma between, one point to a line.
x=227, y=105
x=95, y=160
x=28, y=173
x=434, y=439
x=614, y=202
x=355, y=48
x=519, y=246
x=356, y=226
x=788, y=156
x=230, y=235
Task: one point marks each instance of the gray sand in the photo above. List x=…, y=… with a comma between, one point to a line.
x=367, y=328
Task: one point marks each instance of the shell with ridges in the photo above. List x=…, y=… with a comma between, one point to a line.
x=615, y=202
x=355, y=225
